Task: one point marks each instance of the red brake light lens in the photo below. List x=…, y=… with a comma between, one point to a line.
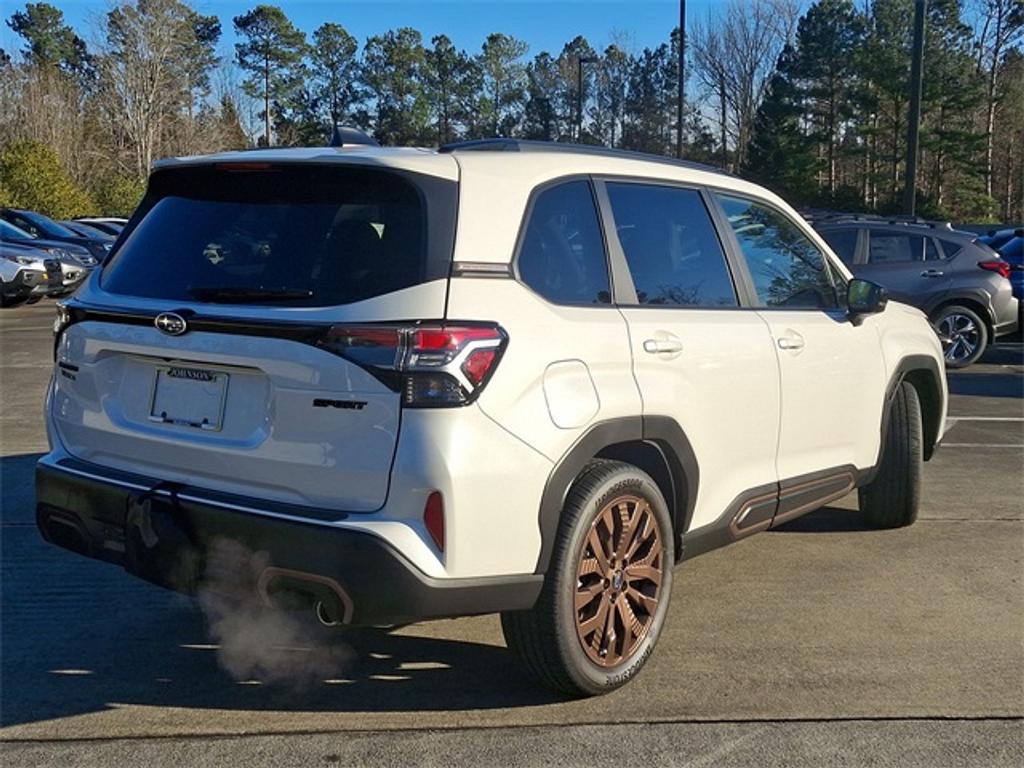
x=1002, y=267
x=432, y=365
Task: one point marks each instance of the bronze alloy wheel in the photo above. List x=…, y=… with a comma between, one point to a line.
x=618, y=580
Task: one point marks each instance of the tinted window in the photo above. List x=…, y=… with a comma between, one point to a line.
x=306, y=235
x=843, y=242
x=674, y=255
x=562, y=254
x=788, y=270
x=896, y=248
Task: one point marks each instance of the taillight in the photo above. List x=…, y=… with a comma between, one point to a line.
x=1002, y=267
x=431, y=365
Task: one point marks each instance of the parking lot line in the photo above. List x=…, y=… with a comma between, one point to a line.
x=983, y=445
x=984, y=418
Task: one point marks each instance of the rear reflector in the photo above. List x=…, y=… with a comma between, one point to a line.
x=432, y=365
x=433, y=518
x=1001, y=267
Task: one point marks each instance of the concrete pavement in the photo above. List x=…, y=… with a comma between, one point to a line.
x=819, y=643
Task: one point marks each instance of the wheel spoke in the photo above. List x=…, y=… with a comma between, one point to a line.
x=649, y=604
x=630, y=625
x=641, y=530
x=597, y=547
x=585, y=595
x=640, y=571
x=595, y=623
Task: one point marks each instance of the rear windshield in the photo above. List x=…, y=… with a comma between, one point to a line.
x=301, y=235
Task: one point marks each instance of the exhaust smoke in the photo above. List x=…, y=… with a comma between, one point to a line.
x=277, y=647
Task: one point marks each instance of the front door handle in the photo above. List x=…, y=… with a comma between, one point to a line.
x=794, y=341
x=932, y=273
x=662, y=346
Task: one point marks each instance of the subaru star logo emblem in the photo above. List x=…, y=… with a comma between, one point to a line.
x=171, y=324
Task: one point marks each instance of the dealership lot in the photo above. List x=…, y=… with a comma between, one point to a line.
x=773, y=639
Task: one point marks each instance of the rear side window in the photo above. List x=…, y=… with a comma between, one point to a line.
x=843, y=243
x=788, y=270
x=896, y=248
x=674, y=256
x=293, y=235
x=562, y=254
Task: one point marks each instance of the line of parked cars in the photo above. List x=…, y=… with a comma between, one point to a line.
x=969, y=286
x=42, y=257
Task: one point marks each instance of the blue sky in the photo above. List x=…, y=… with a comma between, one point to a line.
x=543, y=24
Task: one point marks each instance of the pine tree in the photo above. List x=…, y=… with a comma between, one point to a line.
x=271, y=50
x=780, y=155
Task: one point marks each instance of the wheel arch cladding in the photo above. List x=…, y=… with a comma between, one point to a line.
x=921, y=372
x=655, y=444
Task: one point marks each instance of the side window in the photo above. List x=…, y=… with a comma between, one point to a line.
x=674, y=256
x=931, y=252
x=788, y=270
x=898, y=248
x=843, y=242
x=25, y=224
x=562, y=253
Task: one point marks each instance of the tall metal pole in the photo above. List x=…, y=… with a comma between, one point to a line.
x=682, y=77
x=581, y=60
x=579, y=97
x=914, y=119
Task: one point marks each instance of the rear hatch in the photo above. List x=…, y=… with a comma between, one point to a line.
x=204, y=354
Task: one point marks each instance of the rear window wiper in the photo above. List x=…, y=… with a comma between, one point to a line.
x=240, y=294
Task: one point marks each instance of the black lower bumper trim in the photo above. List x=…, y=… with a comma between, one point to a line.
x=171, y=539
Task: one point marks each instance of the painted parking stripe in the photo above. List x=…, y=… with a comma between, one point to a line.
x=985, y=418
x=982, y=445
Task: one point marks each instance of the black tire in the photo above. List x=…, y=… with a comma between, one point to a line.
x=546, y=638
x=891, y=500
x=946, y=320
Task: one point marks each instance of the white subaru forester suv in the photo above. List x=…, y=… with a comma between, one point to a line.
x=499, y=376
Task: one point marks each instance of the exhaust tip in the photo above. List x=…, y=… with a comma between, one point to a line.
x=292, y=590
x=327, y=614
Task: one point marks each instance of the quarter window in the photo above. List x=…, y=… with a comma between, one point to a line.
x=562, y=255
x=788, y=270
x=674, y=256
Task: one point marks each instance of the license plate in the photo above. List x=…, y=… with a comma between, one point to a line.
x=190, y=397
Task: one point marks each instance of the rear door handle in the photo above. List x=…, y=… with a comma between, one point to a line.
x=932, y=273
x=662, y=346
x=792, y=342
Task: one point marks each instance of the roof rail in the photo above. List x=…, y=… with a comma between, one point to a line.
x=527, y=145
x=832, y=217
x=343, y=136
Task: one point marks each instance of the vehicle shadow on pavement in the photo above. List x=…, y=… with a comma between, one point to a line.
x=82, y=636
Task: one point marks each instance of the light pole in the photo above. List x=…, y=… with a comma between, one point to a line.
x=914, y=119
x=579, y=92
x=682, y=77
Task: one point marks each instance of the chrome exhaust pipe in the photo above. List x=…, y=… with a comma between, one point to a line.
x=283, y=587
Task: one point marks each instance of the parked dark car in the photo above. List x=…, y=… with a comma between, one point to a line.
x=112, y=225
x=45, y=228
x=1013, y=252
x=87, y=230
x=996, y=239
x=959, y=282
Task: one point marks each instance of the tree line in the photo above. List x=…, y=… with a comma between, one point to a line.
x=813, y=104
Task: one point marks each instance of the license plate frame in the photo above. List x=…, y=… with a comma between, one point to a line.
x=189, y=396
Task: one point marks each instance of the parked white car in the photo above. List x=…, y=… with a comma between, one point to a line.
x=500, y=376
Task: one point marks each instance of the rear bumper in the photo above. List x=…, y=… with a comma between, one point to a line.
x=167, y=535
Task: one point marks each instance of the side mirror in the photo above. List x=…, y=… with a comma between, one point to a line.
x=865, y=298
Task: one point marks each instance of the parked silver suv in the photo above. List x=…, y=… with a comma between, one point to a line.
x=959, y=282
